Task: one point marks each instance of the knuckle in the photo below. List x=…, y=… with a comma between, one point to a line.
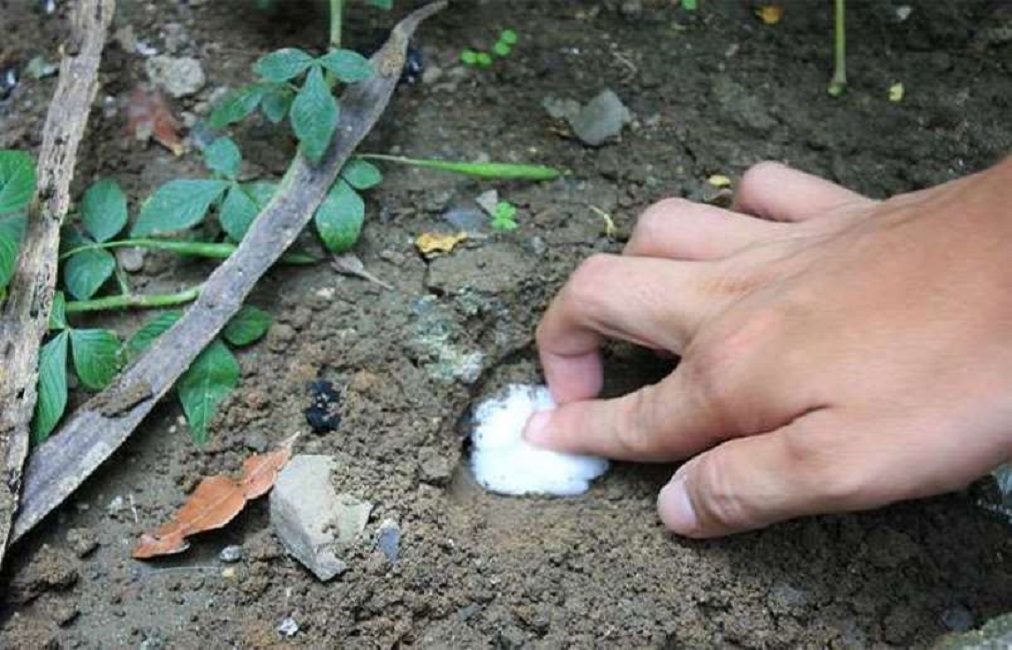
x=819, y=465
x=636, y=432
x=656, y=220
x=719, y=499
x=760, y=173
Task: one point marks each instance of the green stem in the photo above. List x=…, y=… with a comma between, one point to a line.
x=491, y=170
x=210, y=250
x=839, y=82
x=134, y=300
x=336, y=18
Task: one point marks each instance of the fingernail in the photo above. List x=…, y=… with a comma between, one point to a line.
x=536, y=431
x=675, y=507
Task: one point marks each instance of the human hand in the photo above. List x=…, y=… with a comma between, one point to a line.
x=837, y=353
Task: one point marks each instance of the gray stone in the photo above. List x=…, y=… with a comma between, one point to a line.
x=288, y=627
x=388, y=540
x=561, y=109
x=957, y=619
x=433, y=466
x=231, y=553
x=470, y=220
x=131, y=260
x=82, y=541
x=312, y=521
x=179, y=76
x=601, y=119
x=488, y=201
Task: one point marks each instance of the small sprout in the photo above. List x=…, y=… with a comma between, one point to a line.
x=483, y=59
x=508, y=36
x=469, y=57
x=896, y=92
x=690, y=5
x=501, y=49
x=504, y=217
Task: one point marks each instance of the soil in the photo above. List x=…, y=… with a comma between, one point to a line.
x=711, y=92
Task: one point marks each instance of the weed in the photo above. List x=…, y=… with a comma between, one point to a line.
x=838, y=84
x=504, y=216
x=501, y=48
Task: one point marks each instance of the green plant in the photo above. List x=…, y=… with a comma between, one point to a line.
x=501, y=48
x=504, y=216
x=17, y=185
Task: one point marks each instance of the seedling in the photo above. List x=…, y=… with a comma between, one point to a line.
x=504, y=217
x=502, y=48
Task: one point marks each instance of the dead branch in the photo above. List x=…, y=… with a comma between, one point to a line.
x=101, y=425
x=25, y=316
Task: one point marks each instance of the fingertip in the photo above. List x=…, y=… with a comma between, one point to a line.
x=573, y=378
x=538, y=431
x=674, y=505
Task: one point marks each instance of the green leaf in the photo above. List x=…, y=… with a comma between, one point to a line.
x=210, y=378
x=237, y=212
x=52, y=387
x=277, y=102
x=96, y=356
x=104, y=210
x=248, y=326
x=146, y=335
x=223, y=157
x=339, y=218
x=237, y=105
x=347, y=65
x=58, y=312
x=261, y=191
x=85, y=272
x=314, y=116
x=177, y=205
x=382, y=4
x=12, y=229
x=17, y=180
x=361, y=175
x=282, y=65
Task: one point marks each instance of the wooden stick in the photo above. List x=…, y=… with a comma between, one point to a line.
x=101, y=425
x=24, y=319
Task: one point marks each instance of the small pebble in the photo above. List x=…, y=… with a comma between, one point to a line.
x=288, y=627
x=388, y=540
x=323, y=412
x=231, y=553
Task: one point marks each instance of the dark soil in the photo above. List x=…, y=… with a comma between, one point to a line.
x=712, y=92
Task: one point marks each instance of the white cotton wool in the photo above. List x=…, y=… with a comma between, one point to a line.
x=503, y=462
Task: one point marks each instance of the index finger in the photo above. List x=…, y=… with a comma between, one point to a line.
x=651, y=302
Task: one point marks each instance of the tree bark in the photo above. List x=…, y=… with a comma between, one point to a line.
x=24, y=319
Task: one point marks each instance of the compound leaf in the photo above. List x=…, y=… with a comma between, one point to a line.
x=96, y=356
x=361, y=175
x=208, y=380
x=339, y=218
x=17, y=180
x=52, y=387
x=314, y=116
x=276, y=103
x=85, y=272
x=223, y=157
x=104, y=210
x=146, y=335
x=282, y=65
x=247, y=326
x=237, y=105
x=177, y=205
x=237, y=212
x=11, y=231
x=347, y=65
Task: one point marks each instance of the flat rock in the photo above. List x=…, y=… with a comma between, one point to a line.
x=600, y=119
x=313, y=522
x=179, y=76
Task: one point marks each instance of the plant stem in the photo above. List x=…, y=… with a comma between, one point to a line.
x=489, y=170
x=210, y=250
x=839, y=82
x=134, y=300
x=336, y=18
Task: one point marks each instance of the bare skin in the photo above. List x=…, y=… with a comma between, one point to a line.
x=838, y=353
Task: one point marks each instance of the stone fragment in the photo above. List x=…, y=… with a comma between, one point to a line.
x=179, y=76
x=388, y=540
x=231, y=553
x=601, y=119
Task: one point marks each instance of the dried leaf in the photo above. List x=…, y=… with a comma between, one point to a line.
x=431, y=243
x=215, y=502
x=719, y=180
x=896, y=92
x=770, y=14
x=149, y=116
x=349, y=264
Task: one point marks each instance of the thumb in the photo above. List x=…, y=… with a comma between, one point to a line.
x=803, y=468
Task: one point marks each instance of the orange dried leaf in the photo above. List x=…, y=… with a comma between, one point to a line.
x=430, y=243
x=770, y=14
x=149, y=116
x=215, y=502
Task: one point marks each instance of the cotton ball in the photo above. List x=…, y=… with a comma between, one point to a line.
x=503, y=462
